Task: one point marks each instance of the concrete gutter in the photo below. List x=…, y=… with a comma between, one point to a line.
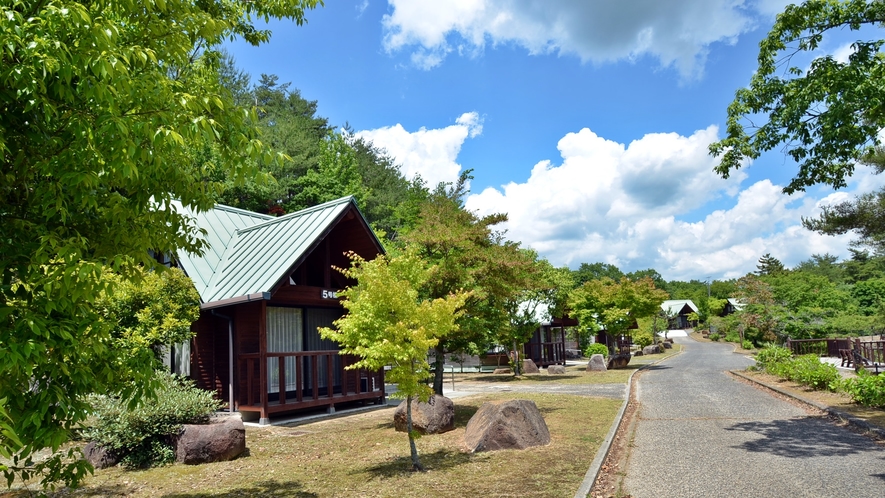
x=602, y=453
x=835, y=412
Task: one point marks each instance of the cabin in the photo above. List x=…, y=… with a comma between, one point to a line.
x=678, y=310
x=267, y=284
x=732, y=305
x=548, y=344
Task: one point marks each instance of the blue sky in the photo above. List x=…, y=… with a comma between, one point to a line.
x=586, y=121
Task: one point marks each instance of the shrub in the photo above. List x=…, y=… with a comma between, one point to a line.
x=772, y=354
x=596, y=348
x=866, y=389
x=806, y=370
x=747, y=345
x=642, y=339
x=732, y=337
x=714, y=337
x=141, y=436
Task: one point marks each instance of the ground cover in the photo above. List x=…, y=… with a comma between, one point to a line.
x=362, y=455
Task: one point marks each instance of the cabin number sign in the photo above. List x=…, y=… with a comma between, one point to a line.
x=330, y=294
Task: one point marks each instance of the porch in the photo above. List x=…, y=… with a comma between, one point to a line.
x=275, y=383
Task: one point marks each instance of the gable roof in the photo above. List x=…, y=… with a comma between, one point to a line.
x=674, y=307
x=249, y=252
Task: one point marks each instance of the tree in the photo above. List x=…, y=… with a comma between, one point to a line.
x=825, y=265
x=769, y=265
x=826, y=118
x=595, y=271
x=104, y=108
x=388, y=323
x=864, y=215
x=336, y=175
x=615, y=305
x=759, y=315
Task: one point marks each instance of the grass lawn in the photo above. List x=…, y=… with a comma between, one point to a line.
x=362, y=455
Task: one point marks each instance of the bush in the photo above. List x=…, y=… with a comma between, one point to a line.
x=732, y=337
x=747, y=345
x=714, y=337
x=806, y=370
x=773, y=354
x=141, y=436
x=596, y=348
x=642, y=339
x=865, y=389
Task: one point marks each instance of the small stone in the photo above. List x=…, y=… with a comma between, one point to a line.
x=668, y=345
x=638, y=353
x=555, y=370
x=98, y=456
x=651, y=349
x=502, y=371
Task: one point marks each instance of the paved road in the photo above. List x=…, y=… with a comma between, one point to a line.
x=702, y=434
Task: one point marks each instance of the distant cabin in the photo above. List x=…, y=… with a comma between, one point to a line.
x=548, y=344
x=678, y=311
x=266, y=285
x=732, y=305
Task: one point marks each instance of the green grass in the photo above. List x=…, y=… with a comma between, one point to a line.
x=362, y=455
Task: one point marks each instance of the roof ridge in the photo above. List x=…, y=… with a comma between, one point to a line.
x=246, y=212
x=297, y=214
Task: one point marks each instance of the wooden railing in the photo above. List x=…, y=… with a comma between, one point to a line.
x=821, y=347
x=545, y=353
x=873, y=351
x=303, y=379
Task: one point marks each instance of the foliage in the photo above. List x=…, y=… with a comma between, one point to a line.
x=769, y=265
x=596, y=348
x=615, y=305
x=772, y=354
x=104, y=110
x=140, y=436
x=827, y=117
x=865, y=389
x=758, y=319
x=807, y=370
x=335, y=175
x=825, y=265
x=643, y=338
x=747, y=345
x=389, y=324
x=714, y=337
x=596, y=271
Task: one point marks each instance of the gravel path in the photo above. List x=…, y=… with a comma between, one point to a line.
x=702, y=433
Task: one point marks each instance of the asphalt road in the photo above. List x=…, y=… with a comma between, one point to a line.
x=701, y=433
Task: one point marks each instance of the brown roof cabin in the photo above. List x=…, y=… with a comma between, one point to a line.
x=266, y=285
x=547, y=345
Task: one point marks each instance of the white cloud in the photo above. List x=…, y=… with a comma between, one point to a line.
x=676, y=32
x=429, y=153
x=622, y=205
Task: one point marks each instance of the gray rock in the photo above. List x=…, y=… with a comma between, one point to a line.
x=501, y=371
x=652, y=349
x=667, y=345
x=619, y=360
x=222, y=439
x=638, y=353
x=514, y=424
x=529, y=367
x=434, y=417
x=555, y=370
x=596, y=363
x=99, y=457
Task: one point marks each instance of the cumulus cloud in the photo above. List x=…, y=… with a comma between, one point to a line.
x=429, y=153
x=676, y=32
x=622, y=204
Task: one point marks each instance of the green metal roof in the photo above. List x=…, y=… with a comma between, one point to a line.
x=674, y=306
x=249, y=252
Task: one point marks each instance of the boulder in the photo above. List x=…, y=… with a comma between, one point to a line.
x=503, y=425
x=668, y=345
x=556, y=370
x=98, y=456
x=224, y=438
x=638, y=353
x=596, y=363
x=619, y=360
x=529, y=367
x=501, y=371
x=652, y=349
x=435, y=416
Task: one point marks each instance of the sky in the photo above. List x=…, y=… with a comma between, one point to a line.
x=587, y=122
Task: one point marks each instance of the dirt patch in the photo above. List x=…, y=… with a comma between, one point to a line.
x=609, y=482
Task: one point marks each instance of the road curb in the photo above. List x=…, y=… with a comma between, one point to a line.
x=602, y=453
x=835, y=412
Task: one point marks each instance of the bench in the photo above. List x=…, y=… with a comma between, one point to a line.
x=847, y=358
x=861, y=363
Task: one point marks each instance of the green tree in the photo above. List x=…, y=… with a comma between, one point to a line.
x=595, y=271
x=758, y=318
x=864, y=215
x=825, y=265
x=104, y=108
x=653, y=274
x=826, y=118
x=336, y=175
x=769, y=265
x=615, y=305
x=388, y=323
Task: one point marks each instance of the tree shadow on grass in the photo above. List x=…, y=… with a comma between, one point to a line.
x=264, y=488
x=440, y=460
x=803, y=438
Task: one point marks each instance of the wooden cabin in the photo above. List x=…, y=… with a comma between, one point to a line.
x=267, y=284
x=548, y=343
x=678, y=310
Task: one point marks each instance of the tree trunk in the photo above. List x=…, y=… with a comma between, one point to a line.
x=439, y=362
x=517, y=365
x=416, y=465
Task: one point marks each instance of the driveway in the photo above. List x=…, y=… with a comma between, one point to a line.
x=702, y=433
